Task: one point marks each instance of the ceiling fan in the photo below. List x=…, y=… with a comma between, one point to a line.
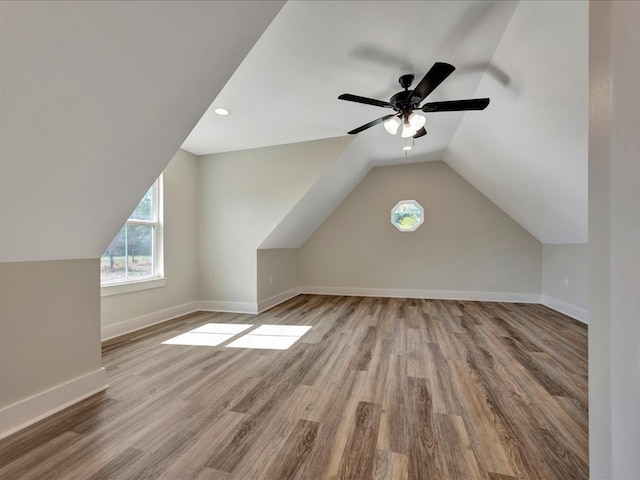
x=406, y=102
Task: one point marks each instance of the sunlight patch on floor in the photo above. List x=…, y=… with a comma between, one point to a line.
x=208, y=335
x=233, y=328
x=271, y=337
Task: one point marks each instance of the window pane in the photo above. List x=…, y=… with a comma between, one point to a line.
x=112, y=265
x=407, y=215
x=144, y=210
x=130, y=255
x=139, y=250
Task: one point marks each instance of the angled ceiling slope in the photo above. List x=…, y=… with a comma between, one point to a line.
x=329, y=190
x=286, y=89
x=95, y=99
x=528, y=152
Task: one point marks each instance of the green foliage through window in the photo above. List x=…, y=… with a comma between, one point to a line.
x=407, y=215
x=131, y=253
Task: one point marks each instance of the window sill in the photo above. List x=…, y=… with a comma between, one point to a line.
x=133, y=286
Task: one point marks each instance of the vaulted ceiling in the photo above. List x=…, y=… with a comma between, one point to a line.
x=527, y=151
x=95, y=98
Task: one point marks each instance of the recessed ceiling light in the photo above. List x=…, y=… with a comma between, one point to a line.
x=406, y=148
x=222, y=111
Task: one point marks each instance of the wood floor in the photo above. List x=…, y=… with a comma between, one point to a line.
x=377, y=389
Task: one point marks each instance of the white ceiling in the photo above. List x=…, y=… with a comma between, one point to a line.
x=286, y=89
x=526, y=151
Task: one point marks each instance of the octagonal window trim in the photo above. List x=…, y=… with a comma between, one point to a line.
x=407, y=215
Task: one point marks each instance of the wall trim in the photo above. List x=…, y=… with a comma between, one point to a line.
x=228, y=307
x=143, y=321
x=578, y=313
x=119, y=288
x=26, y=412
x=427, y=294
x=277, y=299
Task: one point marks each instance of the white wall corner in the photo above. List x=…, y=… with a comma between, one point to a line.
x=578, y=313
x=511, y=297
x=37, y=407
x=270, y=302
x=228, y=307
x=143, y=321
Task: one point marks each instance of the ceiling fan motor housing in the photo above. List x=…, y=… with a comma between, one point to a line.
x=406, y=80
x=402, y=103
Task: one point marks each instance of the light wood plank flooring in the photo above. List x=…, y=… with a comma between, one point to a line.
x=377, y=389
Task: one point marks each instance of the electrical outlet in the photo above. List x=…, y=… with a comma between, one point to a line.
x=270, y=278
x=566, y=281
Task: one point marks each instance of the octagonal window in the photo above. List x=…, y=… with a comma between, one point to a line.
x=407, y=215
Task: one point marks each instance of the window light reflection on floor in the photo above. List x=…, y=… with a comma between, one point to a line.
x=269, y=337
x=208, y=335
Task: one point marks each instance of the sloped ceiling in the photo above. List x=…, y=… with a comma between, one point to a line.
x=526, y=151
x=95, y=99
x=286, y=89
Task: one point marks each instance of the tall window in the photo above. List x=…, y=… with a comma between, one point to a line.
x=136, y=252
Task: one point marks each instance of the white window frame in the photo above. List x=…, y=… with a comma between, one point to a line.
x=415, y=204
x=157, y=279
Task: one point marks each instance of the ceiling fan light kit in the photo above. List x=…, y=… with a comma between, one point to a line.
x=406, y=102
x=392, y=125
x=412, y=123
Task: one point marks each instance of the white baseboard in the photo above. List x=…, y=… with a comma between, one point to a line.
x=143, y=321
x=580, y=314
x=427, y=294
x=229, y=307
x=270, y=302
x=33, y=409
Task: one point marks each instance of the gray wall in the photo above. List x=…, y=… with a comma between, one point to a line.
x=180, y=248
x=277, y=271
x=466, y=243
x=244, y=195
x=49, y=324
x=565, y=278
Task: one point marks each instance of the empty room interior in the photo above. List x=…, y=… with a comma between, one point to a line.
x=319, y=240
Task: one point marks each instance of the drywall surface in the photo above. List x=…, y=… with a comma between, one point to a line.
x=565, y=278
x=600, y=139
x=465, y=244
x=527, y=152
x=180, y=248
x=277, y=271
x=95, y=98
x=50, y=325
x=322, y=198
x=614, y=230
x=244, y=195
x=315, y=50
